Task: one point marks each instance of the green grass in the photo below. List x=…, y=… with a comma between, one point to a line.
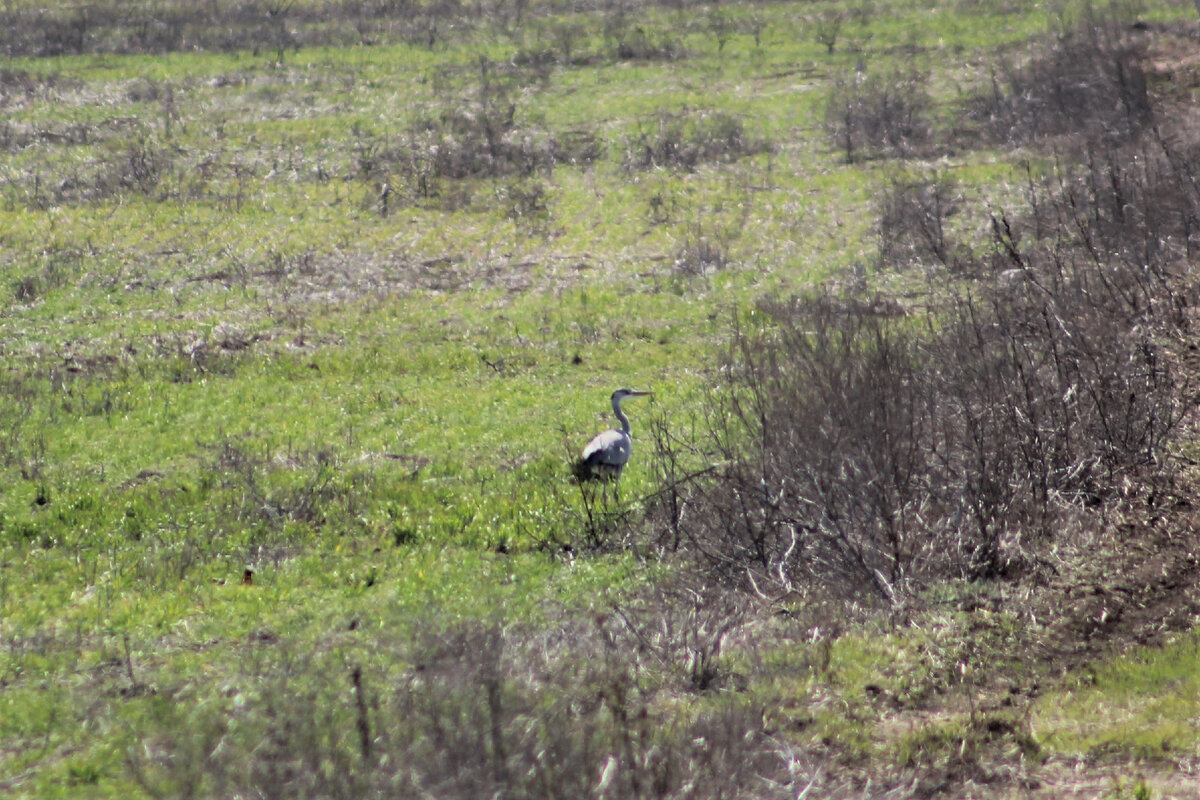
x=1142, y=705
x=240, y=361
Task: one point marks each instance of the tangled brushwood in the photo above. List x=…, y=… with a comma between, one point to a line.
x=867, y=451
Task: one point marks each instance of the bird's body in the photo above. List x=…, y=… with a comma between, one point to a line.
x=606, y=455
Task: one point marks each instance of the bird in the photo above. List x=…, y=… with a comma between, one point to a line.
x=606, y=454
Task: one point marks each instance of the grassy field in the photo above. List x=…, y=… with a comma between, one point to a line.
x=307, y=307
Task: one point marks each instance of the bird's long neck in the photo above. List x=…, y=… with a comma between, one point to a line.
x=621, y=415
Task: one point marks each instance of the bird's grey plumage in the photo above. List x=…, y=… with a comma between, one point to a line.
x=606, y=454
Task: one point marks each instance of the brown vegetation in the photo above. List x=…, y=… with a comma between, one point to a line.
x=1024, y=424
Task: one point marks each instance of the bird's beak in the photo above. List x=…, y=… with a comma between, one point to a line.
x=640, y=394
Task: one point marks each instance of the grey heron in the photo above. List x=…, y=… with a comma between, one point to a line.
x=606, y=454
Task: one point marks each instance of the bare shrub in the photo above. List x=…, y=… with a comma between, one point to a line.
x=870, y=116
x=684, y=624
x=1088, y=84
x=467, y=141
x=864, y=453
x=68, y=34
x=525, y=203
x=271, y=504
x=720, y=26
x=701, y=251
x=1139, y=205
x=567, y=36
x=471, y=138
x=822, y=434
x=142, y=167
x=913, y=214
x=260, y=26
x=1054, y=395
x=54, y=269
x=480, y=139
x=826, y=29
x=577, y=147
x=137, y=164
x=21, y=83
x=628, y=41
x=477, y=710
x=687, y=140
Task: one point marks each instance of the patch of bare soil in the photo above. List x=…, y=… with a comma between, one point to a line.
x=1132, y=583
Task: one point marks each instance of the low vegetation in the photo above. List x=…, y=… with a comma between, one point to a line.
x=309, y=306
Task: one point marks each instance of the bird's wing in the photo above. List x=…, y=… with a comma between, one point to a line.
x=611, y=447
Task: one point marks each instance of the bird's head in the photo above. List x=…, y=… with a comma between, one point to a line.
x=621, y=394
